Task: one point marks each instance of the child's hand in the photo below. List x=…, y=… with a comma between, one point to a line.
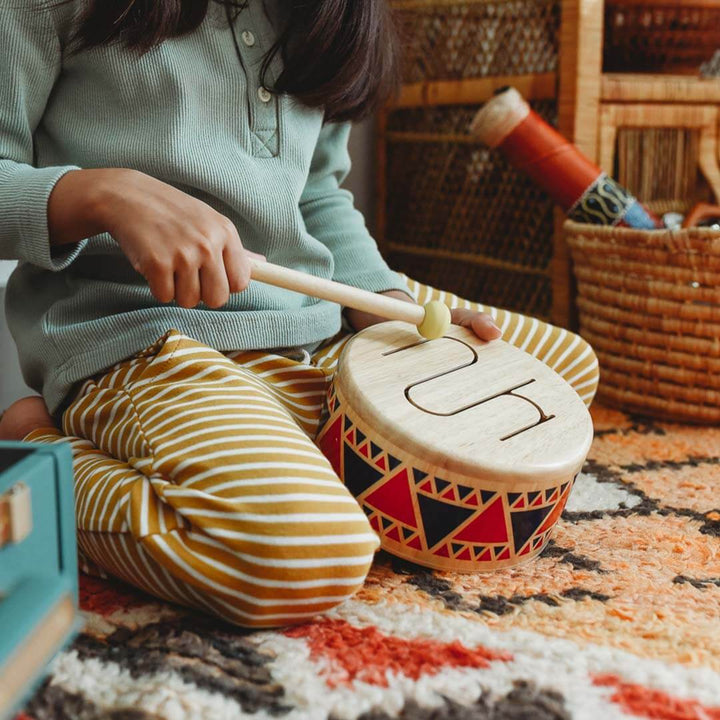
x=480, y=323
x=186, y=251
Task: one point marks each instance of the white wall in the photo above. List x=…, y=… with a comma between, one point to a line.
x=360, y=183
x=12, y=386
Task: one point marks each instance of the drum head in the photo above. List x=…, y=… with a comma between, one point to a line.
x=466, y=406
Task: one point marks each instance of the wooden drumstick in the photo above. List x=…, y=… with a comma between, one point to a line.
x=432, y=320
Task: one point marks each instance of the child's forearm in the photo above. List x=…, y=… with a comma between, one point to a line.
x=76, y=205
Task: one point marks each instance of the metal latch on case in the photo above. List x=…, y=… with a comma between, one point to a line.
x=15, y=514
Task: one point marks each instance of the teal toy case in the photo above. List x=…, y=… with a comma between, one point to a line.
x=38, y=564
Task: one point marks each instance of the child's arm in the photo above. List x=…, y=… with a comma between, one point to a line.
x=330, y=217
x=184, y=248
x=30, y=61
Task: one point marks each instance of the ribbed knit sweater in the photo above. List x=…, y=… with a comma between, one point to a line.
x=190, y=114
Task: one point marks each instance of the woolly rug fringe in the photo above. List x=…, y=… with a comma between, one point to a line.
x=619, y=618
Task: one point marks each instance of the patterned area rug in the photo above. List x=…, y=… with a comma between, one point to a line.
x=619, y=618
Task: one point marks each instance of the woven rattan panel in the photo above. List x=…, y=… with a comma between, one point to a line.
x=661, y=164
x=459, y=217
x=452, y=39
x=660, y=36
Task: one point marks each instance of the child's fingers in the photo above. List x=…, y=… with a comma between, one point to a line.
x=480, y=323
x=214, y=284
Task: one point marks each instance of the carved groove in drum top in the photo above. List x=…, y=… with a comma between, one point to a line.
x=544, y=417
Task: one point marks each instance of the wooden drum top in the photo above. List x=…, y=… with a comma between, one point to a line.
x=478, y=409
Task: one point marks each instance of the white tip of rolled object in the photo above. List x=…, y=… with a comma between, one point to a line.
x=499, y=117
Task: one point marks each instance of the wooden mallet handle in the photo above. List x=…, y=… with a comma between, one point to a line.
x=348, y=296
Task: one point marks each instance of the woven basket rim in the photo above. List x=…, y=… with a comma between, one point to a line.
x=630, y=234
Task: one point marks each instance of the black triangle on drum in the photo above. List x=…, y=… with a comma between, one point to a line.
x=393, y=462
x=532, y=496
x=358, y=476
x=440, y=519
x=374, y=449
x=407, y=533
x=386, y=523
x=562, y=488
x=348, y=423
x=457, y=547
x=464, y=490
x=525, y=523
x=486, y=495
x=359, y=437
x=513, y=497
x=419, y=475
x=440, y=485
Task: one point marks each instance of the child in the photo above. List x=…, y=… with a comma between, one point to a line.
x=147, y=147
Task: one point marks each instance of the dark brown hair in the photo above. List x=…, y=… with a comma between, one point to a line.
x=337, y=54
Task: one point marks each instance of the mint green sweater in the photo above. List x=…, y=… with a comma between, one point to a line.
x=189, y=114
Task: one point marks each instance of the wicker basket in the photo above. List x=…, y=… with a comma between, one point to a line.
x=649, y=303
x=672, y=36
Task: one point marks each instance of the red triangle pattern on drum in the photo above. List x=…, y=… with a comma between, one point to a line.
x=464, y=555
x=394, y=499
x=427, y=487
x=443, y=551
x=520, y=503
x=365, y=450
x=537, y=541
x=485, y=555
x=375, y=523
x=415, y=543
x=393, y=533
x=538, y=500
x=488, y=527
x=525, y=550
x=449, y=494
x=555, y=514
x=350, y=437
x=471, y=499
x=331, y=444
x=504, y=555
x=380, y=462
x=553, y=496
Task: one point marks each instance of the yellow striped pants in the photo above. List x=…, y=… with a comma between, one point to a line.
x=197, y=479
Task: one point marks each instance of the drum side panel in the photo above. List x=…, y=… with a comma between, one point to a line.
x=439, y=519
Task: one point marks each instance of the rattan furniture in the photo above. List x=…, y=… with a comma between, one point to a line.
x=456, y=215
x=451, y=212
x=670, y=127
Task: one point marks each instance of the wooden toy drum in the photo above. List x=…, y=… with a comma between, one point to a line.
x=461, y=453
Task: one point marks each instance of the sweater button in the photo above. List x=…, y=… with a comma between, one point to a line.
x=248, y=38
x=264, y=95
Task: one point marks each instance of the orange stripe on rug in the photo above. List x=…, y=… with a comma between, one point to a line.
x=367, y=655
x=650, y=703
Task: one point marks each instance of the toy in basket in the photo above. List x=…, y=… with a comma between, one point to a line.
x=462, y=453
